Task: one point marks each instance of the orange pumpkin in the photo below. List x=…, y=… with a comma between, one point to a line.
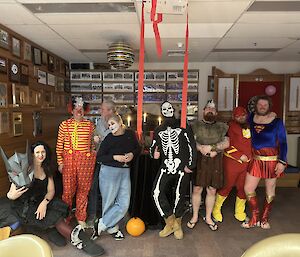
x=135, y=226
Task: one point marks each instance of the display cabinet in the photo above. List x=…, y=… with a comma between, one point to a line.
x=122, y=87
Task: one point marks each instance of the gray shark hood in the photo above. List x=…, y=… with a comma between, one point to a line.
x=18, y=167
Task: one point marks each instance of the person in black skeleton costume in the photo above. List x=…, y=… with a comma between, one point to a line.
x=177, y=149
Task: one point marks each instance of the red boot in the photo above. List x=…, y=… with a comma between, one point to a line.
x=253, y=204
x=266, y=212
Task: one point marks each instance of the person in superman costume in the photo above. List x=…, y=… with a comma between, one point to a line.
x=235, y=164
x=269, y=148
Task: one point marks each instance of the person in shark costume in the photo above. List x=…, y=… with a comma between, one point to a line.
x=177, y=149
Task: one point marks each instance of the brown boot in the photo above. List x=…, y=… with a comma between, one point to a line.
x=169, y=227
x=178, y=233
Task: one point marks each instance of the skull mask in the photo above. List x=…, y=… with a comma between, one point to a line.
x=167, y=110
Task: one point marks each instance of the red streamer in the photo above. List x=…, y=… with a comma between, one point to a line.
x=185, y=76
x=155, y=23
x=141, y=77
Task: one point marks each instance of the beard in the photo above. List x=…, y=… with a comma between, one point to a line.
x=210, y=117
x=262, y=113
x=244, y=125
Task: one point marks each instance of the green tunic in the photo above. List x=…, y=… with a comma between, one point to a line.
x=209, y=133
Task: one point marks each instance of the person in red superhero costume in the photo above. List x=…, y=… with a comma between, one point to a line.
x=235, y=163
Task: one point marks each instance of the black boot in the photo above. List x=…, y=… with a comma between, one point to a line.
x=56, y=238
x=82, y=241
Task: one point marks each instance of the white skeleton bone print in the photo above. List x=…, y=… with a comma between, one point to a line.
x=170, y=143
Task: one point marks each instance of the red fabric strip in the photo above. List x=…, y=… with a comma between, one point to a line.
x=185, y=75
x=141, y=77
x=155, y=26
x=157, y=35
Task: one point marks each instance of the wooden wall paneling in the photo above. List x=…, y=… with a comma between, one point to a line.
x=292, y=117
x=218, y=74
x=51, y=115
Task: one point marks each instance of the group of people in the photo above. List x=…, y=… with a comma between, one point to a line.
x=96, y=160
x=238, y=154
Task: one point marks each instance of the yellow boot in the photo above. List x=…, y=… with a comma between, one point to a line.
x=217, y=207
x=240, y=214
x=178, y=233
x=169, y=227
x=4, y=233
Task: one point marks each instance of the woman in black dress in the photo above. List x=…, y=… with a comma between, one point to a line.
x=36, y=206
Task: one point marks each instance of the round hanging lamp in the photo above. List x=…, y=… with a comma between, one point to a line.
x=120, y=55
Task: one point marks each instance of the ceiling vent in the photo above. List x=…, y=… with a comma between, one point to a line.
x=176, y=53
x=168, y=6
x=80, y=7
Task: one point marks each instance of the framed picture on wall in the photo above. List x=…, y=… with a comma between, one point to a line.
x=57, y=64
x=24, y=76
x=16, y=47
x=3, y=65
x=4, y=122
x=51, y=80
x=14, y=71
x=210, y=84
x=44, y=58
x=50, y=63
x=27, y=52
x=3, y=95
x=4, y=39
x=226, y=94
x=294, y=94
x=42, y=77
x=37, y=56
x=37, y=123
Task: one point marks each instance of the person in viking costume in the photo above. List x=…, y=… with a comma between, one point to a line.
x=269, y=144
x=34, y=204
x=76, y=157
x=176, y=148
x=211, y=140
x=235, y=163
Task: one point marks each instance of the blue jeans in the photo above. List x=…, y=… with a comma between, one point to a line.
x=115, y=189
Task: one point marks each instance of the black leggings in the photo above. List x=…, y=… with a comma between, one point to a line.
x=176, y=184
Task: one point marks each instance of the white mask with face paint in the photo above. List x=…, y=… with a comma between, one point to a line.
x=113, y=126
x=167, y=110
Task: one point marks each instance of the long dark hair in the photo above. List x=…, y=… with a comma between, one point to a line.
x=46, y=164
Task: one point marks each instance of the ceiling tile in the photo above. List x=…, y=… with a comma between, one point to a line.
x=254, y=43
x=286, y=54
x=20, y=15
x=196, y=30
x=92, y=18
x=273, y=17
x=215, y=57
x=264, y=30
x=74, y=1
x=112, y=32
x=34, y=32
x=296, y=44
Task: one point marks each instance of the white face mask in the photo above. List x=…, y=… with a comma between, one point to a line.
x=167, y=110
x=113, y=126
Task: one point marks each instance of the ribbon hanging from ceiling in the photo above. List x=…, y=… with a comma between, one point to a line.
x=155, y=23
x=185, y=75
x=141, y=77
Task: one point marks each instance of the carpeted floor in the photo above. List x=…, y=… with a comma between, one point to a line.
x=229, y=241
